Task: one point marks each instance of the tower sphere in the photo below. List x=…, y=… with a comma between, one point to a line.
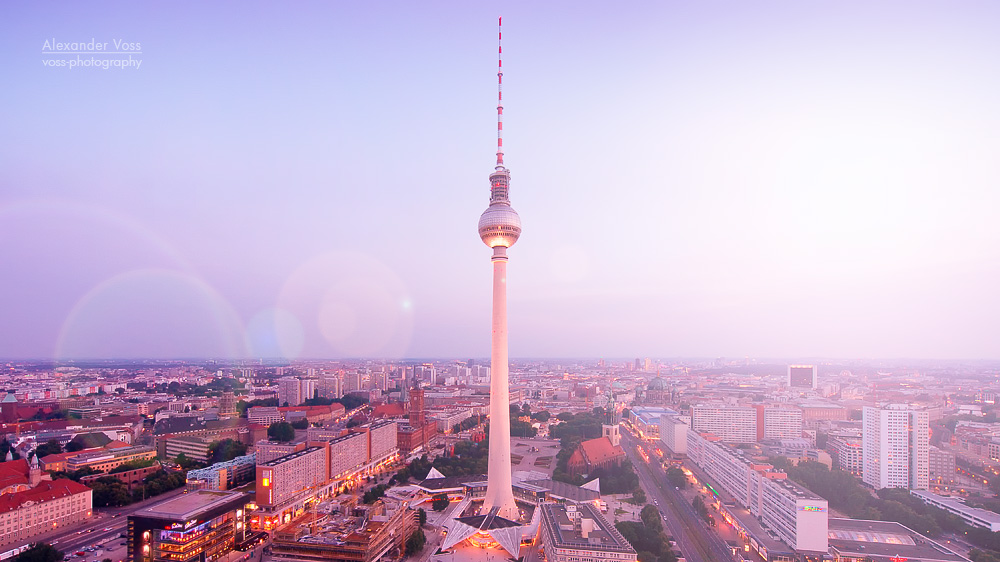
x=499, y=225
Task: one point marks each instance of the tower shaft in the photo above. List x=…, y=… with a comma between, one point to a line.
x=499, y=492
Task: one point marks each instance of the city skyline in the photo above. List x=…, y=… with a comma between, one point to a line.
x=777, y=180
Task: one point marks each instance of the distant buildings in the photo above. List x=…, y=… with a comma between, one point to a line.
x=747, y=424
x=973, y=516
x=802, y=376
x=295, y=390
x=896, y=441
x=263, y=415
x=847, y=450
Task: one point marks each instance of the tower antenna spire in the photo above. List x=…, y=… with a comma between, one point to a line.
x=500, y=92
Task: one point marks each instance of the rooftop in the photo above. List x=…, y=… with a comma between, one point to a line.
x=291, y=456
x=189, y=505
x=569, y=532
x=883, y=540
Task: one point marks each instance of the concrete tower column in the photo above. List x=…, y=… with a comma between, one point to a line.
x=499, y=492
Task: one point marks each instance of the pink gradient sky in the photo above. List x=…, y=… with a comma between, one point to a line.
x=724, y=179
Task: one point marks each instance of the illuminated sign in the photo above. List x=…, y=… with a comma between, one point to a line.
x=811, y=508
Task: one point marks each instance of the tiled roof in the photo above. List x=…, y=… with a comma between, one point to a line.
x=392, y=410
x=601, y=449
x=45, y=491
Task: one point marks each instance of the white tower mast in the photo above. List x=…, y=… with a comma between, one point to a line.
x=499, y=228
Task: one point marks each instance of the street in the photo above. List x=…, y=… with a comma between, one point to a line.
x=693, y=537
x=92, y=532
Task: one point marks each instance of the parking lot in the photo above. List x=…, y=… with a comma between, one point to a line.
x=110, y=548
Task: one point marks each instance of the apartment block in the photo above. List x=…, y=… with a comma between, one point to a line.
x=731, y=424
x=896, y=447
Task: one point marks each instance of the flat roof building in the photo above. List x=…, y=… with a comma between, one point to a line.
x=797, y=516
x=196, y=526
x=572, y=532
x=884, y=541
x=971, y=515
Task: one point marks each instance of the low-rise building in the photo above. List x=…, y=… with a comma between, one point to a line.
x=31, y=505
x=377, y=531
x=107, y=459
x=974, y=516
x=264, y=415
x=224, y=475
x=577, y=532
x=194, y=448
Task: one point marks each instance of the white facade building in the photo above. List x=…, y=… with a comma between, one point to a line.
x=673, y=434
x=896, y=443
x=731, y=424
x=799, y=517
x=782, y=422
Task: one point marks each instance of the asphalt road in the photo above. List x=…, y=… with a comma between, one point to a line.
x=93, y=532
x=694, y=539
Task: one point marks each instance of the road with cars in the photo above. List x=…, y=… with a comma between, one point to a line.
x=694, y=539
x=104, y=528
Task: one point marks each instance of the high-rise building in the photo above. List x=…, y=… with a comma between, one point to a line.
x=673, y=433
x=295, y=390
x=289, y=391
x=307, y=388
x=896, y=442
x=499, y=228
x=802, y=376
x=227, y=404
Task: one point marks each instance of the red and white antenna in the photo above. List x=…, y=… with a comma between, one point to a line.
x=500, y=92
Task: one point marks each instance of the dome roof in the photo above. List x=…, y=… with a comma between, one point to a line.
x=657, y=384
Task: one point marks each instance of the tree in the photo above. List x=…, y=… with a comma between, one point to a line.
x=110, y=492
x=301, y=424
x=50, y=447
x=542, y=416
x=187, y=463
x=651, y=518
x=416, y=542
x=226, y=450
x=699, y=506
x=677, y=478
x=281, y=431
x=639, y=497
x=439, y=502
x=422, y=517
x=40, y=552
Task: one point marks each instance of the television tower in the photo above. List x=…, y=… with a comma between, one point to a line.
x=499, y=227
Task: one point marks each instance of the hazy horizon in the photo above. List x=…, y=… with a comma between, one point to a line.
x=727, y=180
